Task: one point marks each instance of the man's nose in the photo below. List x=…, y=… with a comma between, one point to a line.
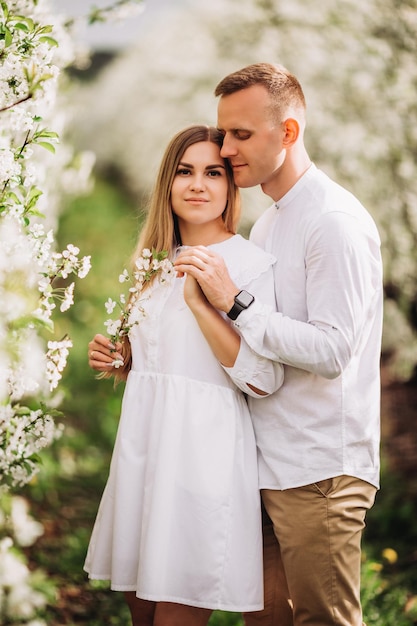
x=228, y=148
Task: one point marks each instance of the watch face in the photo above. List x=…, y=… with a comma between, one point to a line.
x=244, y=299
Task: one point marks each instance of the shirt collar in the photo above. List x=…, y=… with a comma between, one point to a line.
x=295, y=189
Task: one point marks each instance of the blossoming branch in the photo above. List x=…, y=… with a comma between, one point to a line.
x=149, y=266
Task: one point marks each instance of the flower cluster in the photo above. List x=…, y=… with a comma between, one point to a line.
x=150, y=265
x=60, y=265
x=23, y=433
x=56, y=360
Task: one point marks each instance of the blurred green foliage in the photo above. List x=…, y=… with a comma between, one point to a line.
x=66, y=493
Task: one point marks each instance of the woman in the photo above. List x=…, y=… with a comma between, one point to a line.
x=179, y=529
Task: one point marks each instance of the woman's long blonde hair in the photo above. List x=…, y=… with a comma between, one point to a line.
x=160, y=230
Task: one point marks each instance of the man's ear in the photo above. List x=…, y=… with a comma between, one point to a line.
x=292, y=131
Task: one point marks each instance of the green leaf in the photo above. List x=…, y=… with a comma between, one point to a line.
x=45, y=29
x=35, y=213
x=32, y=199
x=12, y=196
x=31, y=320
x=21, y=410
x=46, y=145
x=44, y=324
x=30, y=24
x=28, y=75
x=34, y=193
x=53, y=412
x=22, y=26
x=45, y=133
x=41, y=80
x=50, y=40
x=8, y=37
x=36, y=459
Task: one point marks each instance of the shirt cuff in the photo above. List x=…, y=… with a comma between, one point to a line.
x=250, y=368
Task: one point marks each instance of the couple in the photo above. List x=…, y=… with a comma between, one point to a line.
x=258, y=361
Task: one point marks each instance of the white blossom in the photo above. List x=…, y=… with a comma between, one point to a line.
x=124, y=276
x=85, y=266
x=110, y=305
x=112, y=326
x=68, y=298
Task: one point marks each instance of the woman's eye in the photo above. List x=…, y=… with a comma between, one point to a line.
x=214, y=173
x=183, y=171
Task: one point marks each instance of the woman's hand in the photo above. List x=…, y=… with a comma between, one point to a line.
x=193, y=295
x=210, y=270
x=102, y=354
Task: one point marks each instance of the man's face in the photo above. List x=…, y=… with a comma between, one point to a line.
x=253, y=142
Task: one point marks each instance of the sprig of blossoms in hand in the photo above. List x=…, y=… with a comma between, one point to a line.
x=149, y=265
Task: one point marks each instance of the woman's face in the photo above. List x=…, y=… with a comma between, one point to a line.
x=199, y=190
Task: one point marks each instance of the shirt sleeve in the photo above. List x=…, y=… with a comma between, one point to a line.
x=250, y=367
x=342, y=286
x=258, y=371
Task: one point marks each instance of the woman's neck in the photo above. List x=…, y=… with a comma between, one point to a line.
x=203, y=236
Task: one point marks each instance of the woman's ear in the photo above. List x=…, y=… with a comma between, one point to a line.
x=292, y=131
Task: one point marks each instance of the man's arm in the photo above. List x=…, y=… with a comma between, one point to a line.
x=342, y=295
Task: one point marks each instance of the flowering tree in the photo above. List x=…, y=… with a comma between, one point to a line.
x=35, y=279
x=33, y=49
x=35, y=46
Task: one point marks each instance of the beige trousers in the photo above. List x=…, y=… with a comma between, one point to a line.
x=312, y=554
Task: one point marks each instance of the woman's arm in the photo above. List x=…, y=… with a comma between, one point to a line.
x=220, y=335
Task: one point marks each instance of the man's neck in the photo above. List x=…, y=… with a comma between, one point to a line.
x=290, y=173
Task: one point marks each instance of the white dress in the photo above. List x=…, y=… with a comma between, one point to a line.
x=179, y=520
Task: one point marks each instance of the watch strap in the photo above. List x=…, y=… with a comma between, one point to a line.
x=235, y=311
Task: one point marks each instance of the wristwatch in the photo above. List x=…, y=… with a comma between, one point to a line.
x=243, y=300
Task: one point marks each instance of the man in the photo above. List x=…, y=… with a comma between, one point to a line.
x=318, y=436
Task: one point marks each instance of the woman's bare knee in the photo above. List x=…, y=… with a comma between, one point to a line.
x=142, y=611
x=172, y=614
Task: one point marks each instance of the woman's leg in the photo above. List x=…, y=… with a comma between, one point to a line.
x=171, y=614
x=142, y=611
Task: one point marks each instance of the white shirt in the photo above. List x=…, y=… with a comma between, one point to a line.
x=324, y=421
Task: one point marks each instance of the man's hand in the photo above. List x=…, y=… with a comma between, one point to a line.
x=210, y=271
